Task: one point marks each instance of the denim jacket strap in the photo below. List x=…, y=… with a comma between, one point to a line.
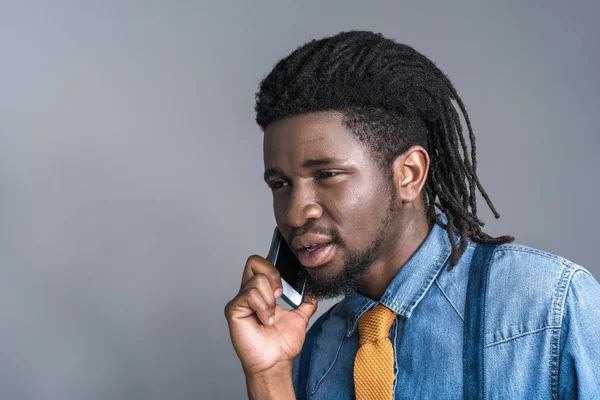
x=473, y=338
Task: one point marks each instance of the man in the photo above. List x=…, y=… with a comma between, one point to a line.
x=362, y=143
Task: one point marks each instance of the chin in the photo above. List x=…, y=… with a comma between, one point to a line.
x=328, y=269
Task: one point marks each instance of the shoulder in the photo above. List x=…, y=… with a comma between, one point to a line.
x=527, y=289
x=541, y=269
x=523, y=253
x=579, y=349
x=582, y=299
x=520, y=265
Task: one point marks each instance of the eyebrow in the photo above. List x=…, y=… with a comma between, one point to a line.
x=269, y=172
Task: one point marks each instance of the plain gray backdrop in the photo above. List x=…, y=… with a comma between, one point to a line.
x=130, y=168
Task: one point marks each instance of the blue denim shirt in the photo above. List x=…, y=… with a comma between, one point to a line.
x=542, y=331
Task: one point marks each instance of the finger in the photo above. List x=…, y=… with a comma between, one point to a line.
x=248, y=302
x=263, y=285
x=261, y=307
x=308, y=308
x=258, y=265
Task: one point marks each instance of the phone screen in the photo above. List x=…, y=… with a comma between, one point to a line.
x=288, y=265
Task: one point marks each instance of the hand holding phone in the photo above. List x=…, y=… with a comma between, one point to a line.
x=265, y=335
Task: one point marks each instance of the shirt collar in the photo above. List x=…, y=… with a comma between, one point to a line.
x=410, y=284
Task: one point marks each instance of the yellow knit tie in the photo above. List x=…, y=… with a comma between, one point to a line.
x=374, y=362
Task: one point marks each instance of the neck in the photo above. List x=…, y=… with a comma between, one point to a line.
x=398, y=248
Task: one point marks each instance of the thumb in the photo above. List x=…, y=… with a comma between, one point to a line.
x=308, y=308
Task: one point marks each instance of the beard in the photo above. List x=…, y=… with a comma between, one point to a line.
x=356, y=263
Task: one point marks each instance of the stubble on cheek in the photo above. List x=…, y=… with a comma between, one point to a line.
x=363, y=222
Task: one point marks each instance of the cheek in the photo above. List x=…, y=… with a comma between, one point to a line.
x=360, y=212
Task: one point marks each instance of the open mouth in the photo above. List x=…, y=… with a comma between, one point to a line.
x=316, y=254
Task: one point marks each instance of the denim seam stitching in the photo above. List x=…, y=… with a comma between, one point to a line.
x=433, y=273
x=557, y=312
x=439, y=265
x=396, y=368
x=352, y=328
x=400, y=308
x=485, y=308
x=520, y=335
x=508, y=246
x=437, y=282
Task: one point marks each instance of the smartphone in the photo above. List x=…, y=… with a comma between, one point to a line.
x=292, y=272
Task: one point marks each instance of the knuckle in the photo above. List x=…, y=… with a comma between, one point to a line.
x=253, y=259
x=263, y=307
x=227, y=309
x=275, y=276
x=261, y=279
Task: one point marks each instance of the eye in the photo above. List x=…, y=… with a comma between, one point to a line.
x=326, y=174
x=277, y=184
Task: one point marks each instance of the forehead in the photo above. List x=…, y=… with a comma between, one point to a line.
x=309, y=136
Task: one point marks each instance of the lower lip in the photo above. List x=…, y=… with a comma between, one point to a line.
x=320, y=256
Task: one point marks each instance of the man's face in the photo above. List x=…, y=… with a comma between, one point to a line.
x=330, y=193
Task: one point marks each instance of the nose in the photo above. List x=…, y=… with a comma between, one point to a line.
x=301, y=206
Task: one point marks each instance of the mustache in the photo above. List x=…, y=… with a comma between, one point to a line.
x=332, y=233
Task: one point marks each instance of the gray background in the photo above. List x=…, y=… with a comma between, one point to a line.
x=130, y=168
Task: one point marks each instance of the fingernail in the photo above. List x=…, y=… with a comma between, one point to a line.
x=278, y=292
x=271, y=320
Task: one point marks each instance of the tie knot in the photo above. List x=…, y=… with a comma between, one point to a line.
x=375, y=324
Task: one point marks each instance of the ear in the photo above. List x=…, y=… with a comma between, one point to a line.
x=410, y=173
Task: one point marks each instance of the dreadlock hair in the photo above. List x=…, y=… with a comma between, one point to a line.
x=392, y=97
